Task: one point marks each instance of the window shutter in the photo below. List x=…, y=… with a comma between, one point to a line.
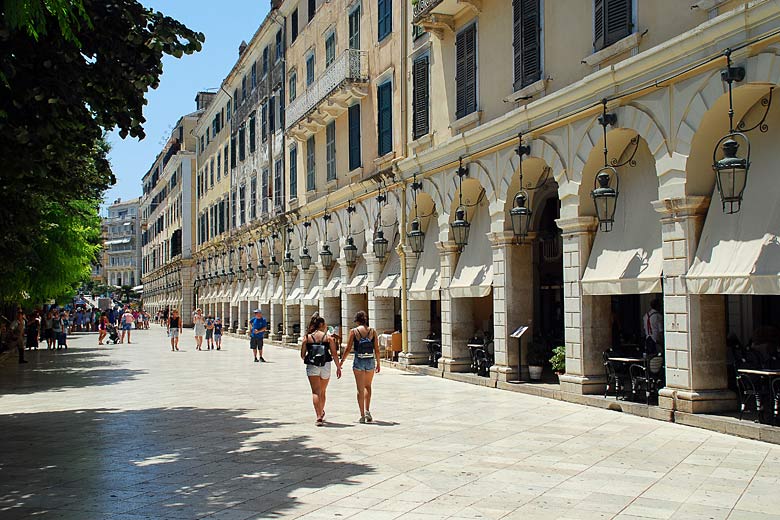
x=517, y=44
x=420, y=97
x=354, y=137
x=598, y=24
x=617, y=23
x=530, y=44
x=385, y=118
x=466, y=71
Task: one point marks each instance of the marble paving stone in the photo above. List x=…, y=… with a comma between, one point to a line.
x=135, y=432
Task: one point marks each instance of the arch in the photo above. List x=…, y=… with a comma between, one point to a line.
x=479, y=173
x=429, y=188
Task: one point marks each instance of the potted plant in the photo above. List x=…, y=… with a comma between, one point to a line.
x=537, y=357
x=558, y=360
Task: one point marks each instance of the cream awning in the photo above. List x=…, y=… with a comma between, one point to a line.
x=276, y=297
x=389, y=285
x=473, y=276
x=257, y=289
x=629, y=259
x=268, y=289
x=358, y=284
x=225, y=293
x=295, y=291
x=740, y=253
x=312, y=296
x=235, y=294
x=425, y=282
x=332, y=289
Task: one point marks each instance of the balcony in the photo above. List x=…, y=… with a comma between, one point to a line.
x=330, y=95
x=437, y=16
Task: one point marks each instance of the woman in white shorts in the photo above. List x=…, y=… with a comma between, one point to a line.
x=199, y=323
x=318, y=350
x=174, y=329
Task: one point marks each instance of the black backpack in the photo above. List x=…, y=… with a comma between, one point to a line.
x=364, y=347
x=317, y=353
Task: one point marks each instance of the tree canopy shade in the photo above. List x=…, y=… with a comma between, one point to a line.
x=71, y=71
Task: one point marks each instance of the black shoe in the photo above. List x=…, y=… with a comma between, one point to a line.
x=262, y=359
x=257, y=360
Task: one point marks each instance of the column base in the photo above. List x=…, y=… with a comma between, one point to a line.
x=412, y=358
x=242, y=331
x=506, y=374
x=583, y=385
x=290, y=340
x=691, y=401
x=275, y=337
x=455, y=364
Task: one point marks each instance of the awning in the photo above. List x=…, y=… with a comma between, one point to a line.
x=235, y=294
x=389, y=285
x=295, y=292
x=257, y=289
x=225, y=293
x=740, y=253
x=246, y=290
x=628, y=259
x=333, y=287
x=425, y=282
x=473, y=276
x=312, y=296
x=117, y=241
x=359, y=282
x=278, y=292
x=137, y=288
x=267, y=290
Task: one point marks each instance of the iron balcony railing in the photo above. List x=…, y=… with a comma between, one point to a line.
x=350, y=66
x=422, y=8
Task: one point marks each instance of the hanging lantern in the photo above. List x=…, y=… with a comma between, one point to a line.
x=605, y=194
x=350, y=252
x=288, y=262
x=305, y=259
x=416, y=238
x=273, y=266
x=262, y=270
x=380, y=245
x=520, y=215
x=731, y=171
x=460, y=228
x=326, y=257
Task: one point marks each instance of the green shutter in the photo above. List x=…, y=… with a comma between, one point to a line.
x=354, y=137
x=385, y=118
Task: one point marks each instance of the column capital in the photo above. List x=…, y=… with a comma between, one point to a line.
x=447, y=247
x=578, y=225
x=508, y=238
x=691, y=206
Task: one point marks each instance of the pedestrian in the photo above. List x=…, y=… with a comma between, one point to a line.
x=48, y=329
x=318, y=350
x=127, y=325
x=16, y=330
x=363, y=340
x=199, y=325
x=257, y=327
x=102, y=329
x=209, y=333
x=61, y=329
x=654, y=328
x=174, y=326
x=218, y=333
x=33, y=330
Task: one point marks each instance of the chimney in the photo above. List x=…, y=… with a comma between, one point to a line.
x=242, y=47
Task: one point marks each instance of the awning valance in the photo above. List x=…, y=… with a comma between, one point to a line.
x=425, y=282
x=332, y=289
x=629, y=259
x=358, y=284
x=389, y=285
x=473, y=276
x=117, y=241
x=740, y=253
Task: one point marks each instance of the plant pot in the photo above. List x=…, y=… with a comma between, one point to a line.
x=535, y=372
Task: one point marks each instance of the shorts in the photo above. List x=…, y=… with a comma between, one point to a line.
x=174, y=333
x=126, y=326
x=322, y=372
x=209, y=333
x=364, y=364
x=256, y=343
x=217, y=337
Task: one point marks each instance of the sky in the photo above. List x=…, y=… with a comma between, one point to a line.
x=224, y=28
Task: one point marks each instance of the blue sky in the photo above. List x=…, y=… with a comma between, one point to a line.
x=225, y=24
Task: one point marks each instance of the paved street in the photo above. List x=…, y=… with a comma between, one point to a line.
x=136, y=431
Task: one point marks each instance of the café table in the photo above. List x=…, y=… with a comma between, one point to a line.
x=765, y=375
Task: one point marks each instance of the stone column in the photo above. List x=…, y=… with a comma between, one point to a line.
x=277, y=311
x=380, y=310
x=289, y=316
x=588, y=332
x=306, y=278
x=243, y=316
x=694, y=325
x=513, y=284
x=418, y=319
x=187, y=289
x=456, y=325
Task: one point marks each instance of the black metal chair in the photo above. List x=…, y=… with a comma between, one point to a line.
x=750, y=396
x=617, y=376
x=434, y=350
x=481, y=356
x=774, y=387
x=648, y=376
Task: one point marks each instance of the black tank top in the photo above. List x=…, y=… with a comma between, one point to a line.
x=174, y=323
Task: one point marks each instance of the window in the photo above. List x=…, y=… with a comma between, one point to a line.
x=233, y=152
x=354, y=137
x=228, y=110
x=312, y=9
x=466, y=71
x=242, y=143
x=264, y=122
x=385, y=117
x=254, y=75
x=279, y=184
x=612, y=22
x=330, y=49
x=385, y=19
x=219, y=165
x=253, y=198
x=272, y=114
x=310, y=166
x=264, y=190
x=233, y=204
x=225, y=155
x=222, y=216
x=243, y=88
x=292, y=87
x=420, y=97
x=293, y=172
x=294, y=25
x=417, y=31
x=279, y=45
x=235, y=100
x=266, y=52
x=211, y=173
x=330, y=148
x=526, y=42
x=252, y=133
x=310, y=69
x=242, y=204
x=197, y=186
x=354, y=28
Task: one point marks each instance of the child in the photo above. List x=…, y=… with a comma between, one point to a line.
x=209, y=333
x=218, y=333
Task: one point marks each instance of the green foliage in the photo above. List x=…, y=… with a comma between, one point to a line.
x=31, y=16
x=558, y=360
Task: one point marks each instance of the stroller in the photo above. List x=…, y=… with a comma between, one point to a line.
x=113, y=335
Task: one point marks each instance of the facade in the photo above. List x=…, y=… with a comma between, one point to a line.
x=122, y=244
x=168, y=223
x=459, y=170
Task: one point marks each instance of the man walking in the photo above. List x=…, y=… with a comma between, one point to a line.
x=127, y=325
x=258, y=326
x=17, y=329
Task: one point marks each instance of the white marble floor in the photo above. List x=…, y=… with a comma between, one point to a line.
x=139, y=432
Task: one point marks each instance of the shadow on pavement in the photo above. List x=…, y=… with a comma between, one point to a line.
x=158, y=463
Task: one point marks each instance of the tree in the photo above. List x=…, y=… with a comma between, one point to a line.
x=71, y=71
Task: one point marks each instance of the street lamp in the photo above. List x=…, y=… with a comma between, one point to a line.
x=350, y=250
x=606, y=185
x=520, y=214
x=461, y=226
x=416, y=236
x=380, y=242
x=326, y=255
x=305, y=256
